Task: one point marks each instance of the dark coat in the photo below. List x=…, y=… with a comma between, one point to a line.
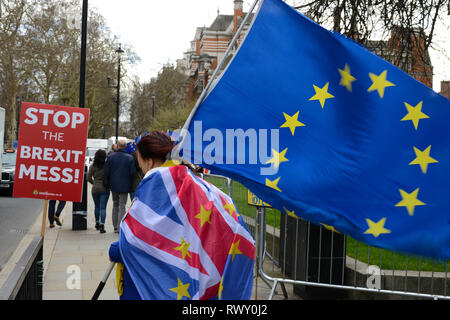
x=96, y=176
x=119, y=171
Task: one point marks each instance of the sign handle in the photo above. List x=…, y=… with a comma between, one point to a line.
x=44, y=218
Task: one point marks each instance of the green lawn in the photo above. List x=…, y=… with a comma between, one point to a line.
x=391, y=260
x=373, y=256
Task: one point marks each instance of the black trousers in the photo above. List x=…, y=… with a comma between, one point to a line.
x=51, y=209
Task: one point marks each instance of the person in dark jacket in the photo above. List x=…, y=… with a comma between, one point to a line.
x=119, y=172
x=100, y=194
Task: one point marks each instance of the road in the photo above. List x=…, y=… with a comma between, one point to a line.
x=17, y=216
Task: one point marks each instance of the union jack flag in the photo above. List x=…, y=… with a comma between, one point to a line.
x=184, y=239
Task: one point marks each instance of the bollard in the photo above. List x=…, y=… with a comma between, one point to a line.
x=79, y=211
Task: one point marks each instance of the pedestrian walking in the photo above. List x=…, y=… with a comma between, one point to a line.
x=54, y=216
x=100, y=191
x=119, y=171
x=167, y=201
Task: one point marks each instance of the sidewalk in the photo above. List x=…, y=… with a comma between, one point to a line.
x=66, y=250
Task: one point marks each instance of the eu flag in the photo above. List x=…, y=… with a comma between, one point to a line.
x=318, y=126
x=131, y=147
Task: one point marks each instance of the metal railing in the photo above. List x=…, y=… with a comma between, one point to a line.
x=322, y=263
x=26, y=280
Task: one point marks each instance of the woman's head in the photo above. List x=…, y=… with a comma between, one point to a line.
x=100, y=158
x=153, y=149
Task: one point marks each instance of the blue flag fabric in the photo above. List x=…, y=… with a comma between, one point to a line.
x=183, y=239
x=131, y=147
x=360, y=146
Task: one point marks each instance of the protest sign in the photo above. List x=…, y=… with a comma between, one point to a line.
x=51, y=152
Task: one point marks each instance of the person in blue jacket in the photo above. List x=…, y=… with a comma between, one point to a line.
x=125, y=284
x=119, y=172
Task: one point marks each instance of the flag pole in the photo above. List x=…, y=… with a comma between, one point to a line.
x=103, y=282
x=175, y=153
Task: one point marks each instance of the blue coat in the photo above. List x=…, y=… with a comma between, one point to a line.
x=129, y=289
x=120, y=170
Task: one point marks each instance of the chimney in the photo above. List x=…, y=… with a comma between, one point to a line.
x=238, y=12
x=445, y=89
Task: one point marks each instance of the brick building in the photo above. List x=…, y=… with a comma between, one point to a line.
x=208, y=49
x=404, y=49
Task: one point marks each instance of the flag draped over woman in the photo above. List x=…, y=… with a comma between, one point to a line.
x=183, y=238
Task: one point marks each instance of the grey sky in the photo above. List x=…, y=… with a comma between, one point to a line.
x=160, y=31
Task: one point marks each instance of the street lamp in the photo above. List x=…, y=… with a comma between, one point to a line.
x=79, y=209
x=84, y=20
x=153, y=105
x=119, y=52
x=18, y=105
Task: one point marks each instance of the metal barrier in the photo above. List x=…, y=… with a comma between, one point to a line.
x=26, y=280
x=321, y=263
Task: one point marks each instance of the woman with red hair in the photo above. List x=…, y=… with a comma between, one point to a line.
x=151, y=152
x=181, y=235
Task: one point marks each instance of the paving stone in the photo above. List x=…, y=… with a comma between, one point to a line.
x=63, y=276
x=67, y=260
x=63, y=295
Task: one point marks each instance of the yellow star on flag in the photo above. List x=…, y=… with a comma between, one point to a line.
x=184, y=248
x=220, y=289
x=379, y=83
x=230, y=207
x=321, y=94
x=204, y=216
x=415, y=114
x=292, y=122
x=290, y=213
x=331, y=228
x=346, y=78
x=376, y=228
x=410, y=201
x=278, y=158
x=423, y=159
x=273, y=184
x=181, y=290
x=234, y=250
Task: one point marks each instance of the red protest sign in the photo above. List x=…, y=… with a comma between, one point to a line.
x=51, y=152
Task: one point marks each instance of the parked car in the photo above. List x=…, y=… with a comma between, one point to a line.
x=8, y=169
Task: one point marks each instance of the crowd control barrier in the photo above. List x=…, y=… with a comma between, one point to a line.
x=321, y=263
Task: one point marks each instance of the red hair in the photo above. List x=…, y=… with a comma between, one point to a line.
x=155, y=145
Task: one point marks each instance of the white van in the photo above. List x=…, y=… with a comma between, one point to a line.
x=92, y=146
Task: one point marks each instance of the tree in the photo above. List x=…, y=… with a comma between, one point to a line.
x=171, y=109
x=410, y=25
x=50, y=41
x=14, y=58
x=40, y=59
